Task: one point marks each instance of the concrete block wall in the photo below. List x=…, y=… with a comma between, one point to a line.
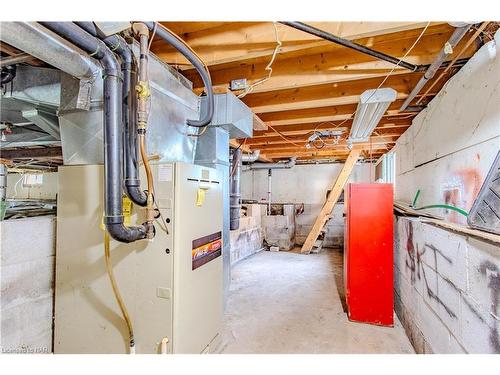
x=279, y=230
x=27, y=284
x=447, y=289
x=307, y=185
x=248, y=238
x=450, y=146
x=334, y=236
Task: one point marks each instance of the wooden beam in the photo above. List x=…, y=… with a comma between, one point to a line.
x=339, y=65
x=29, y=153
x=335, y=191
x=258, y=124
x=293, y=129
x=234, y=41
x=277, y=141
x=329, y=94
x=320, y=114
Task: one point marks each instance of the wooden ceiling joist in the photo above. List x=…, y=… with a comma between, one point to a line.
x=315, y=84
x=232, y=41
x=340, y=65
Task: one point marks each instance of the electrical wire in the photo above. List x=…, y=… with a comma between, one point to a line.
x=374, y=92
x=392, y=71
x=268, y=68
x=116, y=291
x=452, y=62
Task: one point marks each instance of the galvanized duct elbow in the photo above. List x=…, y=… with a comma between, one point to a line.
x=113, y=137
x=251, y=158
x=446, y=51
x=286, y=165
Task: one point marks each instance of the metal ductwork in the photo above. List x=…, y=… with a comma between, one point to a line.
x=235, y=195
x=113, y=138
x=251, y=158
x=446, y=51
x=45, y=45
x=280, y=165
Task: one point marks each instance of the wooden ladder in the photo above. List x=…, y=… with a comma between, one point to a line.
x=333, y=197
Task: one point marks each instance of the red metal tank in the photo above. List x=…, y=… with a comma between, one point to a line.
x=368, y=253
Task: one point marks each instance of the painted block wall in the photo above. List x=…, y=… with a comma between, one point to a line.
x=27, y=284
x=15, y=188
x=447, y=286
x=307, y=184
x=447, y=289
x=449, y=149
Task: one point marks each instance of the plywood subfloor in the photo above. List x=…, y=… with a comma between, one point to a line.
x=286, y=302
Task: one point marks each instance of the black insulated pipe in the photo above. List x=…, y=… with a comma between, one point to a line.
x=172, y=39
x=355, y=46
x=128, y=66
x=113, y=138
x=8, y=73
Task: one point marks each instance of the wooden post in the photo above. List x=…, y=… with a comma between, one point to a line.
x=336, y=190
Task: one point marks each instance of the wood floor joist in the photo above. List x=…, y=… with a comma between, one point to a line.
x=234, y=41
x=315, y=84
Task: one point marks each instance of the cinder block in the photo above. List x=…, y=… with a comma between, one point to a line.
x=479, y=329
x=484, y=275
x=445, y=252
x=27, y=239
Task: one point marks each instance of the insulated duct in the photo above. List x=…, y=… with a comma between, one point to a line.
x=234, y=197
x=251, y=158
x=113, y=138
x=286, y=165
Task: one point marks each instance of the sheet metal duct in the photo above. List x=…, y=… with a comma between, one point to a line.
x=172, y=102
x=231, y=114
x=250, y=158
x=45, y=45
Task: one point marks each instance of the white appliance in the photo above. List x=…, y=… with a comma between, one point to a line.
x=172, y=286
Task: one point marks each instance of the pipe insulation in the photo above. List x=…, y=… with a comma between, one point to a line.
x=113, y=137
x=251, y=158
x=446, y=51
x=286, y=165
x=130, y=150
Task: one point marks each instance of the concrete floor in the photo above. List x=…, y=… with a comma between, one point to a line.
x=285, y=302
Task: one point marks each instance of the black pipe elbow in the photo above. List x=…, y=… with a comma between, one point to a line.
x=198, y=65
x=120, y=232
x=8, y=73
x=135, y=193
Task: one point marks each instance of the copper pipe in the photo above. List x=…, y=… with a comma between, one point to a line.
x=452, y=62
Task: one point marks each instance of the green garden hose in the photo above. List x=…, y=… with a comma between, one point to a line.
x=447, y=206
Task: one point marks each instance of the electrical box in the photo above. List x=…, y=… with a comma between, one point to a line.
x=368, y=253
x=172, y=286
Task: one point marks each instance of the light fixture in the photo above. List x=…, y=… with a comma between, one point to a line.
x=371, y=107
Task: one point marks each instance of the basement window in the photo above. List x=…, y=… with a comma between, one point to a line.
x=385, y=169
x=32, y=180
